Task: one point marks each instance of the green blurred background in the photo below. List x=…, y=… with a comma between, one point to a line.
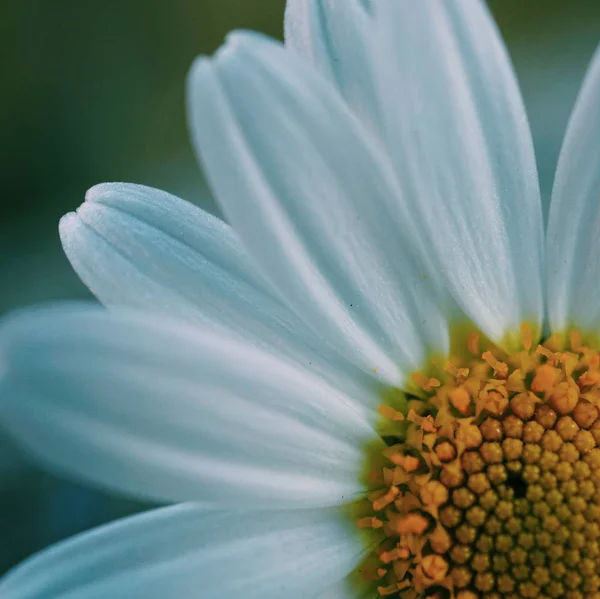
x=93, y=91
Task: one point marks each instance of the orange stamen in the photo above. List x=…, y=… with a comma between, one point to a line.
x=389, y=412
x=575, y=340
x=412, y=523
x=473, y=344
x=526, y=336
x=424, y=382
x=371, y=522
x=545, y=378
x=500, y=368
x=461, y=400
x=386, y=499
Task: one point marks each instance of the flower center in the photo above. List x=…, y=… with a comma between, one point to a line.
x=491, y=487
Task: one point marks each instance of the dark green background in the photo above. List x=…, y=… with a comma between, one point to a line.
x=93, y=91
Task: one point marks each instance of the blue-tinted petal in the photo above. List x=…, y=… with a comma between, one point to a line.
x=189, y=551
x=165, y=410
x=573, y=237
x=316, y=204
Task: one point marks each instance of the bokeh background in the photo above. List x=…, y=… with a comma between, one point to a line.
x=93, y=90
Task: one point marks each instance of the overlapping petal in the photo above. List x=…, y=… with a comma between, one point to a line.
x=457, y=131
x=449, y=112
x=188, y=551
x=140, y=247
x=335, y=36
x=164, y=410
x=315, y=203
x=573, y=237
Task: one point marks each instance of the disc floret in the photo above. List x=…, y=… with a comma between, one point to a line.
x=491, y=484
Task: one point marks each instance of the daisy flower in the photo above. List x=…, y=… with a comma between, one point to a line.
x=382, y=380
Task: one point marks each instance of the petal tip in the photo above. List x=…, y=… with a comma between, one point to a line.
x=200, y=65
x=245, y=42
x=67, y=223
x=243, y=37
x=100, y=191
x=96, y=192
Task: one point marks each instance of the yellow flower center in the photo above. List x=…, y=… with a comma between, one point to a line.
x=491, y=487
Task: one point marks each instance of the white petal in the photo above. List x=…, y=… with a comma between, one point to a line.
x=455, y=126
x=573, y=238
x=164, y=410
x=141, y=247
x=315, y=204
x=334, y=36
x=188, y=551
x=135, y=245
x=309, y=28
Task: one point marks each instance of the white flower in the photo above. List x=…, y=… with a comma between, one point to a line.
x=387, y=226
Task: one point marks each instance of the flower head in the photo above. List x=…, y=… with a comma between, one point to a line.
x=356, y=385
